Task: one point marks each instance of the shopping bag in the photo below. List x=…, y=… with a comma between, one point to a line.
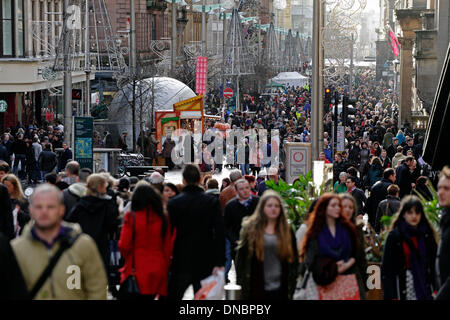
x=212, y=287
x=345, y=287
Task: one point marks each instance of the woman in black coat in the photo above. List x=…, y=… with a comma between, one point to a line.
x=408, y=265
x=12, y=284
x=97, y=214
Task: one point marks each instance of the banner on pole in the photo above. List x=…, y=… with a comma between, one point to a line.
x=201, y=75
x=393, y=43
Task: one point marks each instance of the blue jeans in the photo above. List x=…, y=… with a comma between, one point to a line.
x=22, y=159
x=245, y=169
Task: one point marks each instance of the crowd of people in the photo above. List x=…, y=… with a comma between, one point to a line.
x=167, y=246
x=151, y=239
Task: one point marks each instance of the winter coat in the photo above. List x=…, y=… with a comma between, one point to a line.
x=97, y=218
x=404, y=180
x=387, y=139
x=250, y=271
x=233, y=215
x=226, y=195
x=33, y=257
x=47, y=160
x=393, y=266
x=375, y=174
x=152, y=144
x=443, y=258
x=389, y=207
x=72, y=195
x=6, y=216
x=12, y=284
x=65, y=156
x=151, y=251
x=4, y=155
x=391, y=151
x=361, y=200
x=338, y=167
x=168, y=146
x=200, y=236
x=19, y=147
x=364, y=158
x=378, y=193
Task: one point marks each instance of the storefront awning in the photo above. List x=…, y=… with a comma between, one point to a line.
x=436, y=151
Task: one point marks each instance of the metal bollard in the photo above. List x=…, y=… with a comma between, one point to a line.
x=232, y=291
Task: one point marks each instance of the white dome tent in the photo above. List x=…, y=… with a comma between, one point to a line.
x=168, y=91
x=291, y=79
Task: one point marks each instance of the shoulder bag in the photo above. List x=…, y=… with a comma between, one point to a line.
x=66, y=243
x=129, y=288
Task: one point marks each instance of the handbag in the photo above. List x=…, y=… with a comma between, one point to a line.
x=129, y=289
x=344, y=287
x=306, y=288
x=324, y=271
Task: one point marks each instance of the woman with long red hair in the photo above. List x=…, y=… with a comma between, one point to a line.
x=330, y=246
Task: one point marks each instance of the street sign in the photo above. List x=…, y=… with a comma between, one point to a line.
x=3, y=106
x=298, y=158
x=83, y=128
x=228, y=93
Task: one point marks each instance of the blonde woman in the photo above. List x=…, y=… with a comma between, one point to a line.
x=19, y=202
x=266, y=260
x=96, y=213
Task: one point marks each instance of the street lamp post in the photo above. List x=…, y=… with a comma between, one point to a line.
x=133, y=65
x=67, y=78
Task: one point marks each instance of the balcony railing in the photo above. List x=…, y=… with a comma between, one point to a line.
x=158, y=5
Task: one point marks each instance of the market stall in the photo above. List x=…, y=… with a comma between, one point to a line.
x=187, y=114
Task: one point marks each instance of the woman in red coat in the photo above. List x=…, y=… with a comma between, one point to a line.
x=152, y=247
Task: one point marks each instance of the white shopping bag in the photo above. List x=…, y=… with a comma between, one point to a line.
x=212, y=287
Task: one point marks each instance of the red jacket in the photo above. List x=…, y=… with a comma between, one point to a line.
x=152, y=253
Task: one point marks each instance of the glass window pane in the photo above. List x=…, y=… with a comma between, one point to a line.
x=20, y=9
x=7, y=38
x=6, y=6
x=20, y=37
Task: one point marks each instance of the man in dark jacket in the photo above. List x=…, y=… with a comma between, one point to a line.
x=8, y=144
x=12, y=284
x=378, y=193
x=76, y=191
x=65, y=156
x=443, y=254
x=388, y=207
x=47, y=160
x=199, y=246
x=20, y=154
x=338, y=167
x=404, y=179
x=392, y=149
x=357, y=193
x=6, y=216
x=235, y=210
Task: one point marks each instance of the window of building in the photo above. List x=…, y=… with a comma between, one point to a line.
x=8, y=29
x=153, y=26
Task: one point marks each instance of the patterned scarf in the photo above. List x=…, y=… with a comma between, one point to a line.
x=417, y=257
